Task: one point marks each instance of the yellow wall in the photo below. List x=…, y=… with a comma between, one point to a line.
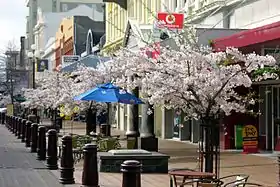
x=144, y=11
x=68, y=30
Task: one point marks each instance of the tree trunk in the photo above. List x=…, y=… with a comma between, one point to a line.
x=208, y=124
x=90, y=121
x=209, y=161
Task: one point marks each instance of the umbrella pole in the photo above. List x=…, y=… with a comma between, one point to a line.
x=89, y=120
x=90, y=105
x=108, y=128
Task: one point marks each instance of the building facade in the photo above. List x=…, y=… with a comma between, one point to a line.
x=213, y=19
x=142, y=12
x=55, y=6
x=72, y=34
x=48, y=22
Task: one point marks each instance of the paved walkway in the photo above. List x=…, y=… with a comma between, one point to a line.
x=19, y=167
x=263, y=170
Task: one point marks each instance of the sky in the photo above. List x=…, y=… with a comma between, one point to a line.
x=12, y=22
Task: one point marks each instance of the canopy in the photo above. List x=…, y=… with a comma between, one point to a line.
x=109, y=93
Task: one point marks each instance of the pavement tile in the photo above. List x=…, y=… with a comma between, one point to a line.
x=263, y=170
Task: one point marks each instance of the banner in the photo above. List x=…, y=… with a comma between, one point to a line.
x=10, y=109
x=42, y=65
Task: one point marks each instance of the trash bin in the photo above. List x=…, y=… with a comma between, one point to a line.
x=105, y=130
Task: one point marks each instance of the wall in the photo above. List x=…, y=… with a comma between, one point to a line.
x=64, y=39
x=251, y=15
x=96, y=6
x=256, y=14
x=82, y=25
x=33, y=5
x=50, y=53
x=143, y=11
x=48, y=23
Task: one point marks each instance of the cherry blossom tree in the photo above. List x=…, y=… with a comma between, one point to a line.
x=5, y=100
x=202, y=83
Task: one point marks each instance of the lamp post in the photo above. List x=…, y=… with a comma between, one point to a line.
x=33, y=55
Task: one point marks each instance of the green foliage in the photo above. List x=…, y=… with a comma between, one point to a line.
x=79, y=141
x=264, y=70
x=103, y=144
x=109, y=143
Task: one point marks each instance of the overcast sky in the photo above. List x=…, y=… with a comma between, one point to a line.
x=12, y=21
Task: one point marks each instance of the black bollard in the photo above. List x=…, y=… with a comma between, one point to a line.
x=41, y=152
x=34, y=137
x=8, y=124
x=28, y=134
x=14, y=124
x=19, y=128
x=52, y=150
x=32, y=118
x=3, y=118
x=131, y=170
x=23, y=131
x=90, y=167
x=67, y=161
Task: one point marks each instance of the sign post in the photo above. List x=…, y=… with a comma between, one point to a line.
x=250, y=139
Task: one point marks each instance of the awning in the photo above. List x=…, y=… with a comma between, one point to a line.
x=19, y=98
x=88, y=61
x=248, y=37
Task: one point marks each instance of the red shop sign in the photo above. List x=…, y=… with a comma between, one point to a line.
x=152, y=51
x=170, y=20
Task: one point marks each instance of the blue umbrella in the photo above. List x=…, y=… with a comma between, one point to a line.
x=108, y=93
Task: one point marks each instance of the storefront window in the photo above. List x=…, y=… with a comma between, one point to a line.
x=262, y=104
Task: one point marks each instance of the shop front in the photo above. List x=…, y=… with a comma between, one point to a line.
x=262, y=40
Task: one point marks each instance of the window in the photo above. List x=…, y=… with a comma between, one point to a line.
x=64, y=7
x=54, y=6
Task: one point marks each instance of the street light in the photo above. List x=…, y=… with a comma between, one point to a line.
x=33, y=47
x=33, y=55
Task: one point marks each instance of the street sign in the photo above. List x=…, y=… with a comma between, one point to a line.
x=170, y=20
x=69, y=59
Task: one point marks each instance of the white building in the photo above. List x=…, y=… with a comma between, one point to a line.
x=51, y=6
x=236, y=14
x=48, y=23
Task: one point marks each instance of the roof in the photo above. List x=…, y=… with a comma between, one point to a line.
x=88, y=61
x=249, y=37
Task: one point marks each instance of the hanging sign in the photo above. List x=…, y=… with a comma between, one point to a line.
x=170, y=20
x=250, y=139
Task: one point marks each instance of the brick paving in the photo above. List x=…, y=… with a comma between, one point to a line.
x=262, y=170
x=19, y=167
